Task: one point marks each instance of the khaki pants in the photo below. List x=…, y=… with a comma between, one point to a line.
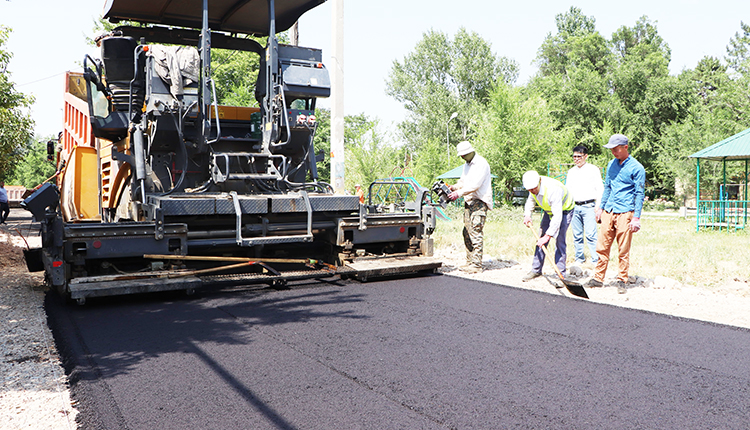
x=474, y=216
x=614, y=227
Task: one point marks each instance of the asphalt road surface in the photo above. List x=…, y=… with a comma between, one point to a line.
x=424, y=353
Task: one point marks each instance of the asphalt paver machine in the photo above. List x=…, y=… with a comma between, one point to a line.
x=161, y=188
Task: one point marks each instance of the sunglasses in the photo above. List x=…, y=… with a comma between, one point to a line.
x=578, y=156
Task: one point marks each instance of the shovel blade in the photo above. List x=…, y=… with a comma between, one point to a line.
x=576, y=289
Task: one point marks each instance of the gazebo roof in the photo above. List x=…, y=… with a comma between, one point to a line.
x=736, y=147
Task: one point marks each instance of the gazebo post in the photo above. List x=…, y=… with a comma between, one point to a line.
x=723, y=201
x=697, y=194
x=744, y=203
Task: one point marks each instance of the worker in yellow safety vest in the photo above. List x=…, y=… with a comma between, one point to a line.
x=557, y=205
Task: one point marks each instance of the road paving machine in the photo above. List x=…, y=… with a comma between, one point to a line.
x=160, y=188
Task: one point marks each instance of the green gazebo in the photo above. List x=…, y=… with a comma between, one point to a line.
x=725, y=212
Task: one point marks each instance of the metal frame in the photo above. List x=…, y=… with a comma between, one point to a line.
x=721, y=213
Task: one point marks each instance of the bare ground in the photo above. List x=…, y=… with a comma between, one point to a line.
x=34, y=393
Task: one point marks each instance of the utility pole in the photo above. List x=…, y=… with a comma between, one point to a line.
x=337, y=97
x=294, y=34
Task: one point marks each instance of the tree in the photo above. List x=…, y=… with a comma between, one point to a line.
x=641, y=41
x=574, y=67
x=577, y=44
x=368, y=156
x=442, y=76
x=518, y=135
x=16, y=126
x=738, y=51
x=34, y=167
x=722, y=110
x=235, y=74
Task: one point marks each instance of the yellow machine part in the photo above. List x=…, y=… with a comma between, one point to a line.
x=79, y=194
x=113, y=173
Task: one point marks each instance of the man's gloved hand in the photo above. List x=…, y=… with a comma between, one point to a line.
x=453, y=196
x=635, y=224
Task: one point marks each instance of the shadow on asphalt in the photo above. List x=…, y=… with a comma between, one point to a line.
x=111, y=336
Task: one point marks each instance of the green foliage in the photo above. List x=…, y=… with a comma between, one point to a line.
x=16, y=126
x=642, y=41
x=34, y=167
x=442, y=76
x=235, y=74
x=518, y=135
x=592, y=93
x=738, y=50
x=576, y=44
x=322, y=143
x=367, y=153
x=722, y=111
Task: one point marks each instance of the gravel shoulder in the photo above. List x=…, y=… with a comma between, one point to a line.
x=35, y=392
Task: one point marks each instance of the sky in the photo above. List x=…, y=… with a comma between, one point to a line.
x=48, y=39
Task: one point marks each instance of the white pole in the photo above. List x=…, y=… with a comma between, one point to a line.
x=447, y=135
x=337, y=97
x=294, y=34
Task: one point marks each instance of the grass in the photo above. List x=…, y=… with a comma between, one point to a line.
x=666, y=245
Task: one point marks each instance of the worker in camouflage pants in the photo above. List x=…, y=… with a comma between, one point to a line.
x=474, y=215
x=476, y=188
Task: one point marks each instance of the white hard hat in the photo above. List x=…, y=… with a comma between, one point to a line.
x=464, y=148
x=531, y=179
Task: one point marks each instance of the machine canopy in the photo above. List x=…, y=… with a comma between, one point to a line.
x=233, y=16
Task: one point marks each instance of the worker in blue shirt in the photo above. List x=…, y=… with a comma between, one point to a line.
x=4, y=207
x=619, y=210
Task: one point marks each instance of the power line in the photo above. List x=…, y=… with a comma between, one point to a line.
x=40, y=80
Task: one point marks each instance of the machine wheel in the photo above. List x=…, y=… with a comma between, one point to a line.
x=81, y=301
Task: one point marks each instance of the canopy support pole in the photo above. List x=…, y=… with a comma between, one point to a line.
x=697, y=194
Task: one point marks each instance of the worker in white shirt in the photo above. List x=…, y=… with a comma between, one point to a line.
x=557, y=205
x=584, y=180
x=475, y=186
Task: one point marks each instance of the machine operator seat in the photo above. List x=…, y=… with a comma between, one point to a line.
x=118, y=56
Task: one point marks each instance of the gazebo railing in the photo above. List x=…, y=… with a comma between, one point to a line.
x=722, y=214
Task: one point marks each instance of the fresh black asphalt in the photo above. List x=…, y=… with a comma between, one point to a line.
x=435, y=352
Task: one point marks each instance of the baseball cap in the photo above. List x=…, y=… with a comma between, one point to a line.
x=616, y=140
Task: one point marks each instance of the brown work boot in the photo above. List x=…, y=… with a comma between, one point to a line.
x=593, y=283
x=531, y=275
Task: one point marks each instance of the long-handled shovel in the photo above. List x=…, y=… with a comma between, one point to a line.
x=574, y=287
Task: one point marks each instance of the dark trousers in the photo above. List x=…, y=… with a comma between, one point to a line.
x=4, y=211
x=561, y=252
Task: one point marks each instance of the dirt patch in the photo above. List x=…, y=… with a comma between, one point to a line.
x=11, y=258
